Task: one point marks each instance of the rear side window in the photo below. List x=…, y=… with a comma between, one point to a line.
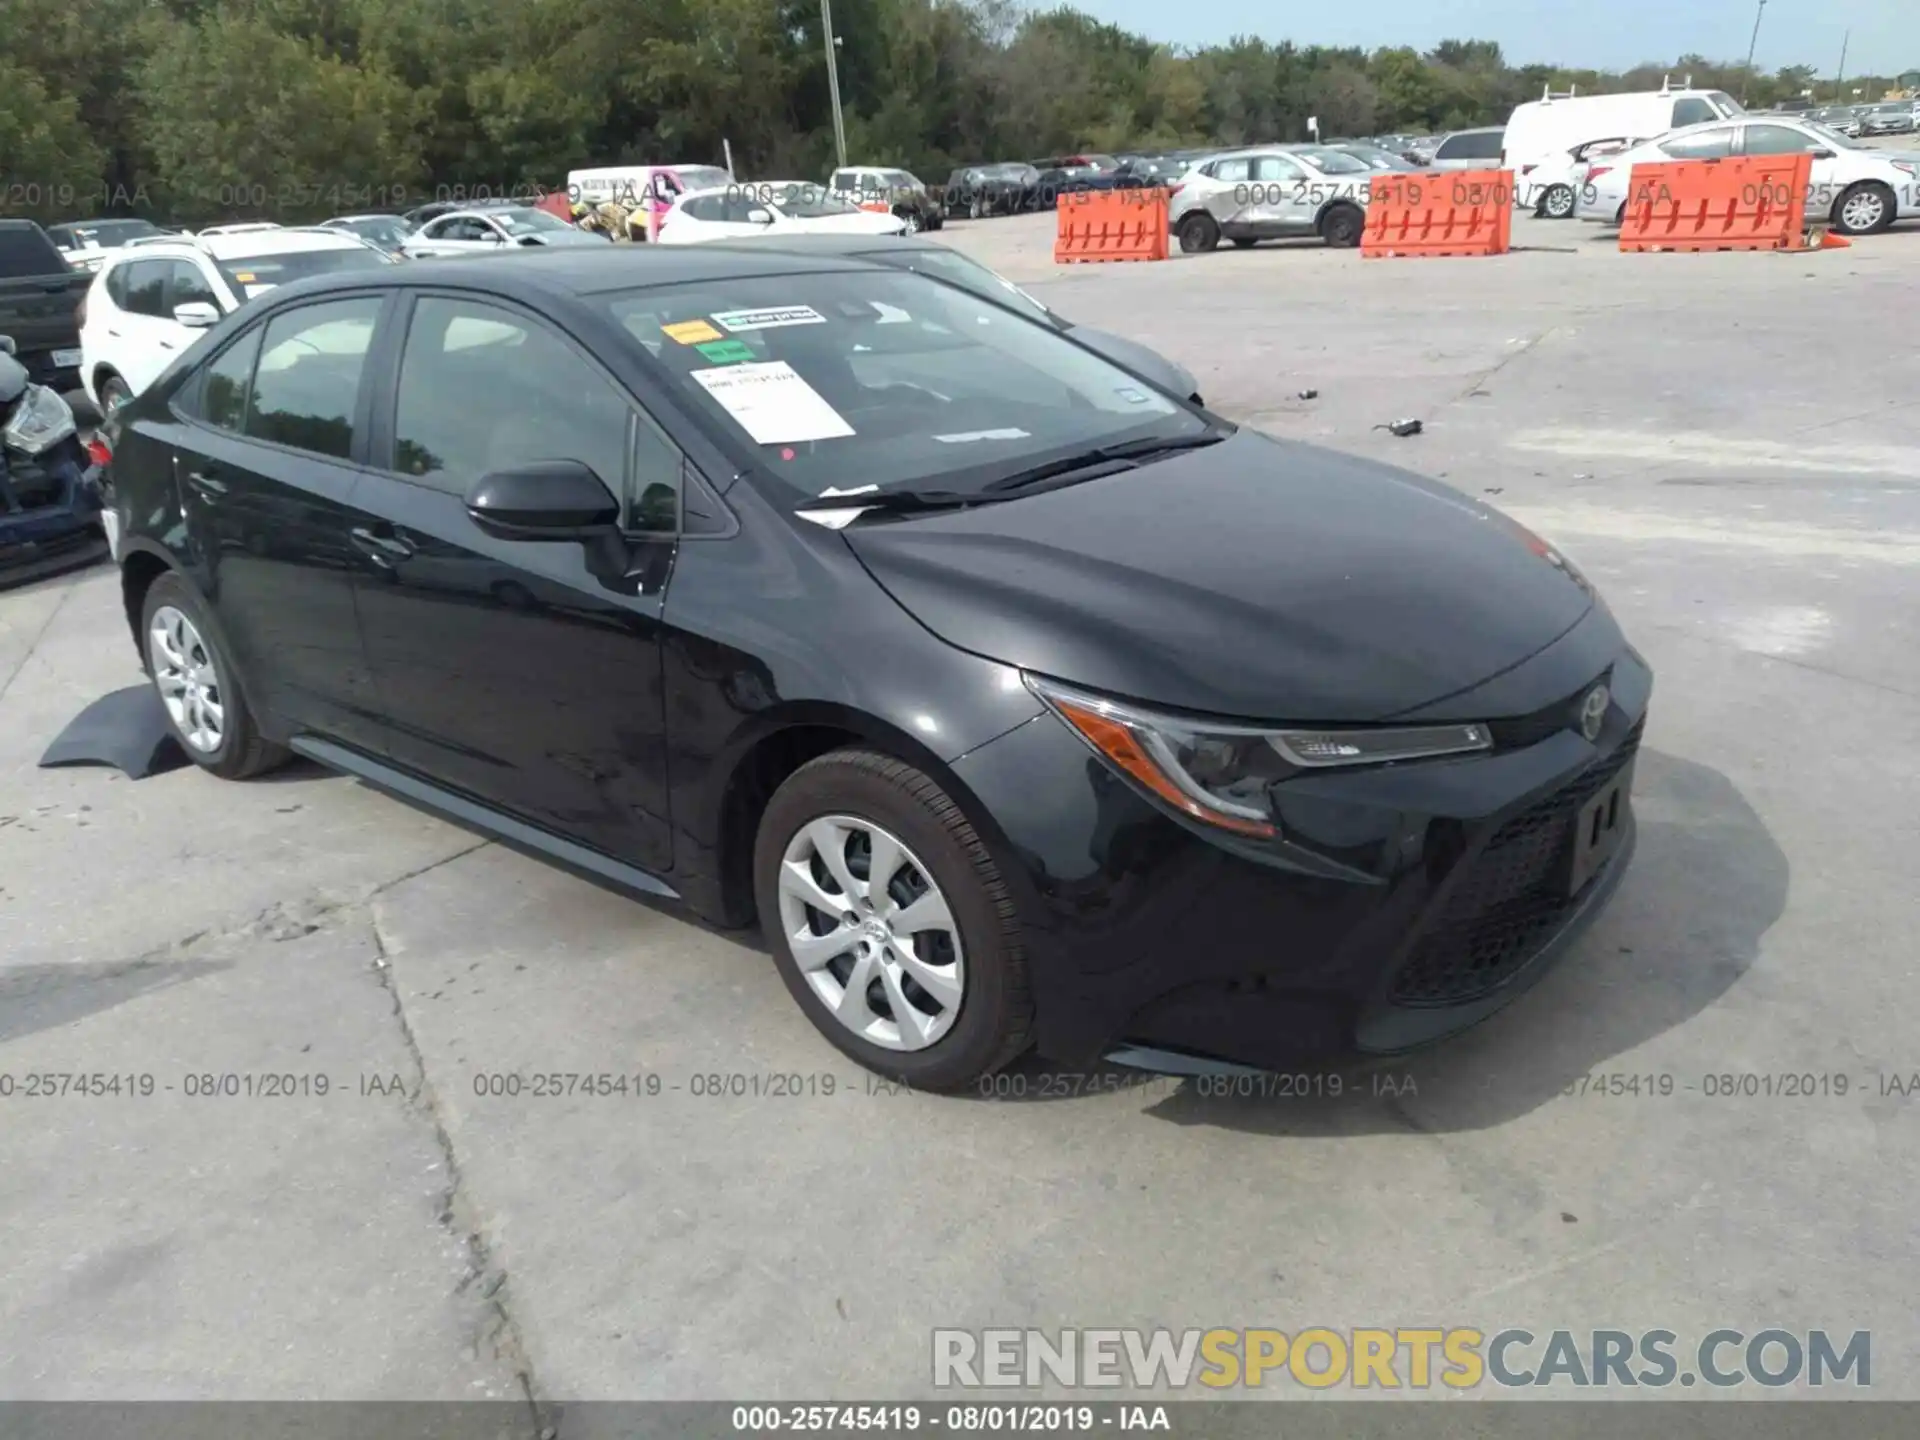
x=1473, y=145
x=1692, y=110
x=1231, y=170
x=146, y=288
x=228, y=383
x=1714, y=144
x=306, y=388
x=25, y=250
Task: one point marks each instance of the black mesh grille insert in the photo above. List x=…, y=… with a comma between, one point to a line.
x=1508, y=900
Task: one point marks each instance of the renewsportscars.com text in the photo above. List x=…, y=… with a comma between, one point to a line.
x=1417, y=1358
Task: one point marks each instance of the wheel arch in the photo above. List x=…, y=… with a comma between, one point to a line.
x=760, y=756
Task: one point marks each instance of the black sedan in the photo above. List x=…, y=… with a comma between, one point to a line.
x=1021, y=702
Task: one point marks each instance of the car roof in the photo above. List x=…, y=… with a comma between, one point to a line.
x=571, y=272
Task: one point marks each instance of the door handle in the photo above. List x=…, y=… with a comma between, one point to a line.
x=380, y=545
x=164, y=344
x=206, y=484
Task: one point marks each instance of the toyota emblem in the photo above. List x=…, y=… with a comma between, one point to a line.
x=1593, y=712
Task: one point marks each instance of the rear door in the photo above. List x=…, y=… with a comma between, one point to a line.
x=521, y=673
x=268, y=466
x=1279, y=192
x=144, y=337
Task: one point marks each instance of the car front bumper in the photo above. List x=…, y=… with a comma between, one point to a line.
x=45, y=530
x=1405, y=904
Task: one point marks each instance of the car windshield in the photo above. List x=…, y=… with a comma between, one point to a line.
x=961, y=270
x=527, y=222
x=1371, y=158
x=841, y=381
x=387, y=230
x=249, y=275
x=1831, y=136
x=111, y=234
x=1333, y=162
x=799, y=201
x=702, y=177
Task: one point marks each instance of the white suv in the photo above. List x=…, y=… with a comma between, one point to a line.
x=151, y=300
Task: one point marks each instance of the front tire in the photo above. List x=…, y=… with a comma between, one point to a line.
x=919, y=975
x=194, y=678
x=1198, y=233
x=1341, y=227
x=1864, y=208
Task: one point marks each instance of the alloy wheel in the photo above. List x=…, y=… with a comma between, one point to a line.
x=1559, y=203
x=187, y=679
x=1863, y=211
x=871, y=932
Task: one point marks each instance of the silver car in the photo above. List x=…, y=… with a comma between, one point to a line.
x=1471, y=149
x=492, y=231
x=1271, y=193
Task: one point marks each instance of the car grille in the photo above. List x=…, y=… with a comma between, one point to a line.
x=1508, y=900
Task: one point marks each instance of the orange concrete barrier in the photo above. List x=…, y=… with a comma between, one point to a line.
x=1100, y=225
x=1440, y=212
x=1750, y=202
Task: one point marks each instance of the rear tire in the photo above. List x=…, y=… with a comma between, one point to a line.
x=836, y=813
x=1198, y=233
x=1557, y=203
x=195, y=679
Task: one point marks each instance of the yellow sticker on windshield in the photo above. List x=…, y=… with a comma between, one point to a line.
x=692, y=332
x=245, y=277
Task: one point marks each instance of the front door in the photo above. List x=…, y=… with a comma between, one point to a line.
x=268, y=483
x=518, y=672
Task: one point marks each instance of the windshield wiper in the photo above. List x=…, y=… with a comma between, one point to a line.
x=1111, y=459
x=894, y=502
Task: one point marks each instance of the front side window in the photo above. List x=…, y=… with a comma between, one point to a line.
x=528, y=222
x=1276, y=167
x=1692, y=110
x=1335, y=162
x=849, y=379
x=483, y=388
x=810, y=202
x=188, y=285
x=1473, y=145
x=705, y=207
x=1780, y=140
x=306, y=388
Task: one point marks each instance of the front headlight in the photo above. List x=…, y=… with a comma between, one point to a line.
x=40, y=420
x=1220, y=773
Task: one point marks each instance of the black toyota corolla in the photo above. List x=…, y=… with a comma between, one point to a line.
x=1020, y=702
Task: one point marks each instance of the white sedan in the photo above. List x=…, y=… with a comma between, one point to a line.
x=492, y=231
x=1858, y=188
x=771, y=208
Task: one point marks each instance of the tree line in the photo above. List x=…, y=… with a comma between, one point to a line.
x=186, y=111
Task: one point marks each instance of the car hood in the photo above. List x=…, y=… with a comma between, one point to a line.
x=1254, y=578
x=1134, y=356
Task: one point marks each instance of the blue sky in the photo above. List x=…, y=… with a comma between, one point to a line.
x=1609, y=34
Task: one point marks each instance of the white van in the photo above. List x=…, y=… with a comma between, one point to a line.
x=1544, y=130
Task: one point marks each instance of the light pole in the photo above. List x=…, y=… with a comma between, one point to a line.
x=833, y=81
x=1759, y=10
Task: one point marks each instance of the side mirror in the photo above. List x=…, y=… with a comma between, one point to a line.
x=197, y=314
x=7, y=347
x=531, y=240
x=758, y=216
x=543, y=500
x=1823, y=154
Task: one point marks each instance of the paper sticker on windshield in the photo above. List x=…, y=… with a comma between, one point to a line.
x=775, y=318
x=691, y=332
x=727, y=352
x=1131, y=395
x=772, y=403
x=972, y=435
